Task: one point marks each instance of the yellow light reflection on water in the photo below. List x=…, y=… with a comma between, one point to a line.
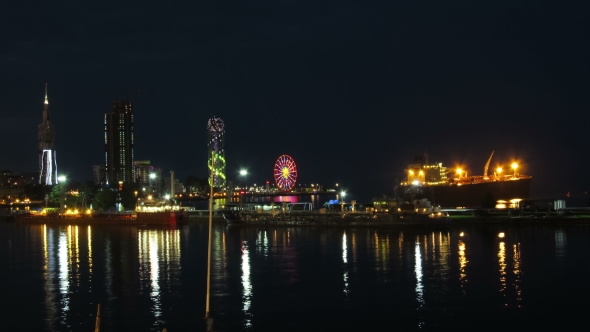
x=159, y=264
x=462, y=265
x=89, y=232
x=502, y=264
x=400, y=244
x=354, y=249
x=517, y=273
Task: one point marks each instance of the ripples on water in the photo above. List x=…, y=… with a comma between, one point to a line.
x=293, y=279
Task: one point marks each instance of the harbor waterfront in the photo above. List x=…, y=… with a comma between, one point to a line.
x=480, y=276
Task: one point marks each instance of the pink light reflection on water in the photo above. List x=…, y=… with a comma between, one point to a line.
x=289, y=199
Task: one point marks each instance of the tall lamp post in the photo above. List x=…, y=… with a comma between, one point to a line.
x=152, y=179
x=211, y=184
x=62, y=192
x=243, y=174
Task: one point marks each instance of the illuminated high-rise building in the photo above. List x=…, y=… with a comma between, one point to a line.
x=216, y=148
x=47, y=158
x=118, y=144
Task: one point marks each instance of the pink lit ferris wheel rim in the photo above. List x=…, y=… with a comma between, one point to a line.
x=285, y=173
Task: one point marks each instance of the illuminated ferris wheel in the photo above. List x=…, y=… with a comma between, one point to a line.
x=285, y=173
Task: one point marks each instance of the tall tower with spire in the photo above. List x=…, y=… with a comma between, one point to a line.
x=47, y=157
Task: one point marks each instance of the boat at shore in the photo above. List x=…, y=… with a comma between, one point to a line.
x=456, y=188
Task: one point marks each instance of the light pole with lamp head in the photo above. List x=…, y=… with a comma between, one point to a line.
x=153, y=183
x=62, y=192
x=243, y=173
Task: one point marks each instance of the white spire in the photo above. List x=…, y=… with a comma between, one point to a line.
x=46, y=100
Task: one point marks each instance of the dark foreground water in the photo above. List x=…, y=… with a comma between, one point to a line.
x=294, y=279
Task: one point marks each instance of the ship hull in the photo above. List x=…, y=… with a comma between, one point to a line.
x=469, y=195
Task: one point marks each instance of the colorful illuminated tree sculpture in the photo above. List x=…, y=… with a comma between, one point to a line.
x=216, y=146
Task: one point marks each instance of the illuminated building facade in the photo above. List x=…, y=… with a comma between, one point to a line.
x=118, y=144
x=143, y=169
x=47, y=157
x=216, y=149
x=99, y=174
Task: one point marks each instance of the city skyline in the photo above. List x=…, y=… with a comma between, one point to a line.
x=351, y=91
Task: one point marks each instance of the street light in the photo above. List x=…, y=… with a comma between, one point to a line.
x=62, y=192
x=243, y=173
x=153, y=183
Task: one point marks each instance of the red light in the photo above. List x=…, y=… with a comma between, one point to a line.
x=241, y=192
x=267, y=182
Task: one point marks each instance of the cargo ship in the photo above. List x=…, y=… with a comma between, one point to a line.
x=453, y=187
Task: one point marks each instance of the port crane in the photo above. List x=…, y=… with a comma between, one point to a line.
x=485, y=170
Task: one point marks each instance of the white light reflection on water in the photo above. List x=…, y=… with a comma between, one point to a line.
x=418, y=274
x=247, y=285
x=560, y=243
x=48, y=274
x=345, y=261
x=154, y=274
x=108, y=266
x=262, y=244
x=64, y=270
x=344, y=253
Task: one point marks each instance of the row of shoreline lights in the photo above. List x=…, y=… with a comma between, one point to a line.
x=244, y=172
x=500, y=235
x=514, y=166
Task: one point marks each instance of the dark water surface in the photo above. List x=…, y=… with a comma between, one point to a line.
x=294, y=279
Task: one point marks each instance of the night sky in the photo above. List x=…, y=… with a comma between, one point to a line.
x=352, y=90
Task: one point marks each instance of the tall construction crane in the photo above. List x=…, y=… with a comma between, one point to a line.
x=485, y=170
